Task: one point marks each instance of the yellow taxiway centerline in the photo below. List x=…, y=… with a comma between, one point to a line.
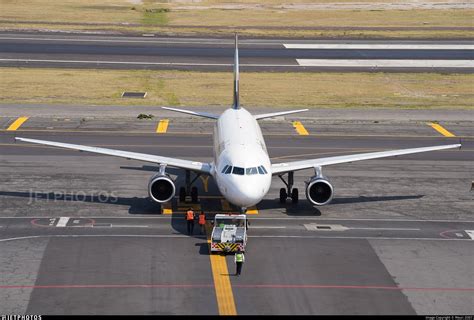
x=440, y=129
x=17, y=123
x=252, y=210
x=300, y=128
x=162, y=126
x=222, y=286
x=167, y=208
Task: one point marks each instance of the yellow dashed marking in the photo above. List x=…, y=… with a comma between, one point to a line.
x=162, y=126
x=440, y=129
x=18, y=122
x=225, y=205
x=167, y=209
x=300, y=128
x=252, y=210
x=220, y=274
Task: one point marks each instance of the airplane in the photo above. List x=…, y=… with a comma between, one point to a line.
x=241, y=166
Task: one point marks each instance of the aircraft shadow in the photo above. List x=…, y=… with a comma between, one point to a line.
x=136, y=205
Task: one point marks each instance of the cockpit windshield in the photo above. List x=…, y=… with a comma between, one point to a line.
x=250, y=171
x=238, y=170
x=244, y=171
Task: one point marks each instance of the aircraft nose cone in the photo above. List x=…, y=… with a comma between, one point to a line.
x=249, y=195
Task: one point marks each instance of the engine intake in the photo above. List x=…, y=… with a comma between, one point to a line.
x=319, y=191
x=161, y=188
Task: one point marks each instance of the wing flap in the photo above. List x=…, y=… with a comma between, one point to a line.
x=179, y=163
x=306, y=164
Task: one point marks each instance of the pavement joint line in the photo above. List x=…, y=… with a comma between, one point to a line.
x=441, y=130
x=254, y=285
x=17, y=123
x=222, y=285
x=162, y=126
x=300, y=129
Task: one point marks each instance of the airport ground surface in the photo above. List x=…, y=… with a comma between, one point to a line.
x=79, y=236
x=214, y=54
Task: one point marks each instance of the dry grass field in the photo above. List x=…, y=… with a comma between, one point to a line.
x=184, y=88
x=323, y=18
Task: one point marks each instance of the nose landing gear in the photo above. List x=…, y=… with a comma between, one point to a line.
x=289, y=192
x=189, y=190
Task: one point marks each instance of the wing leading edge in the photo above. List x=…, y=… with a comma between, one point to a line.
x=173, y=162
x=279, y=168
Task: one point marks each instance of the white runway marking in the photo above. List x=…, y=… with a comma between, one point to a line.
x=395, y=229
x=385, y=63
x=62, y=222
x=267, y=227
x=354, y=46
x=470, y=233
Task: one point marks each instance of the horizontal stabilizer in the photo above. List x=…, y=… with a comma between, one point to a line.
x=276, y=114
x=194, y=113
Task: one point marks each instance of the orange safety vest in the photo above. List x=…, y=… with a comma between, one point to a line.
x=202, y=219
x=190, y=215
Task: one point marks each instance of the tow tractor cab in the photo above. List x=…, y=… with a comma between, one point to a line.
x=229, y=233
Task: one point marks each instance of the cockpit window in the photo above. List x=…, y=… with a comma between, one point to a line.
x=250, y=171
x=229, y=170
x=225, y=168
x=238, y=170
x=262, y=170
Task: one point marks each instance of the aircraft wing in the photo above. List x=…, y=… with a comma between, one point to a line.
x=279, y=168
x=173, y=162
x=276, y=114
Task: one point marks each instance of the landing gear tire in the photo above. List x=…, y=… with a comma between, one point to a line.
x=194, y=194
x=182, y=194
x=294, y=195
x=283, y=195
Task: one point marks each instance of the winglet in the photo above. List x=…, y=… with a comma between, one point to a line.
x=236, y=104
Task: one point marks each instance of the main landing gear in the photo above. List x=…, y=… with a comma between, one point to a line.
x=289, y=192
x=189, y=191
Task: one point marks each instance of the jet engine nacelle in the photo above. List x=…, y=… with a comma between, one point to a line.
x=319, y=191
x=161, y=188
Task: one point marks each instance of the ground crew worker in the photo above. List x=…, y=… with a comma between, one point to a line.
x=239, y=261
x=190, y=220
x=202, y=221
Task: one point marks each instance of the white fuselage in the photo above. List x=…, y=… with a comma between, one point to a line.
x=238, y=143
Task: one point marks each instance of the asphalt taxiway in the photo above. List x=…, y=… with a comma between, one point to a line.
x=78, y=234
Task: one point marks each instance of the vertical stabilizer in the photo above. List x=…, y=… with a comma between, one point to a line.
x=236, y=104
